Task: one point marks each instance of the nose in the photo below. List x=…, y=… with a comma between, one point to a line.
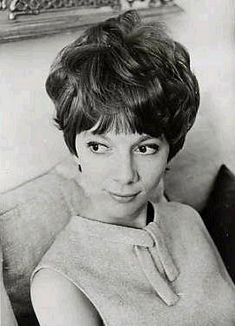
x=125, y=171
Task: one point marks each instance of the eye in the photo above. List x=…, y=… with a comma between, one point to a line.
x=97, y=147
x=147, y=149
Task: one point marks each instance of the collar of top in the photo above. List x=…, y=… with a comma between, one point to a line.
x=150, y=248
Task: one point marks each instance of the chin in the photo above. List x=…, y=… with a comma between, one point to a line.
x=124, y=209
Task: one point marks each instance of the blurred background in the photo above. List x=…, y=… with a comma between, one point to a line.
x=29, y=142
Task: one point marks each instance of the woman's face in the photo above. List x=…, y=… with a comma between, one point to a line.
x=120, y=172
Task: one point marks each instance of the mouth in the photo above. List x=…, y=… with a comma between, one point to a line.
x=123, y=198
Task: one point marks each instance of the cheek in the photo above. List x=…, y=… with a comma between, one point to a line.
x=152, y=178
x=152, y=175
x=96, y=170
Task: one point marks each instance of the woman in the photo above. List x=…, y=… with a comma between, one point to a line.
x=125, y=98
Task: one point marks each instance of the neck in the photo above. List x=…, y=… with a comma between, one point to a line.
x=136, y=220
x=98, y=212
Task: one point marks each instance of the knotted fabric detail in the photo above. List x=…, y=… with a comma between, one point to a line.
x=158, y=265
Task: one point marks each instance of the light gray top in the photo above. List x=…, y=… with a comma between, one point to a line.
x=168, y=273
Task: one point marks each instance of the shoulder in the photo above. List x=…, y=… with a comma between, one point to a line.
x=180, y=214
x=185, y=222
x=57, y=301
x=184, y=225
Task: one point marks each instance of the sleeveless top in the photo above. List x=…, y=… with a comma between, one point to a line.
x=145, y=277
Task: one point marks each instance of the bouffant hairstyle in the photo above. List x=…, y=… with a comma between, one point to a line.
x=127, y=76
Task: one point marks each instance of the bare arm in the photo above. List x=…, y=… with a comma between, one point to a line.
x=7, y=316
x=58, y=302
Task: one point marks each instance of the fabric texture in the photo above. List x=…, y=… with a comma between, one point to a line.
x=219, y=217
x=167, y=273
x=30, y=218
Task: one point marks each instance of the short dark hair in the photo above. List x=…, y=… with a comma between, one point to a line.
x=128, y=76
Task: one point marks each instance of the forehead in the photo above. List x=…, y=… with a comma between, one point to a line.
x=127, y=138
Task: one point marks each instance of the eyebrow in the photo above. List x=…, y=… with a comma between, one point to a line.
x=99, y=135
x=145, y=137
x=140, y=140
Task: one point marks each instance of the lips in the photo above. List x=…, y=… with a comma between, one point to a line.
x=123, y=198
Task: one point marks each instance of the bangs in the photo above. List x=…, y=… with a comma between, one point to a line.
x=127, y=109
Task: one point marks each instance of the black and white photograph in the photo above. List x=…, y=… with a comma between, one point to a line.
x=117, y=162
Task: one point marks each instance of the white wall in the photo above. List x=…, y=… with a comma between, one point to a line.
x=207, y=29
x=29, y=143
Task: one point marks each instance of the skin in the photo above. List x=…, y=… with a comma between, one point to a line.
x=120, y=174
x=7, y=317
